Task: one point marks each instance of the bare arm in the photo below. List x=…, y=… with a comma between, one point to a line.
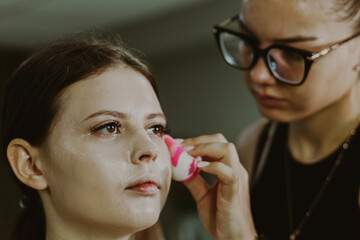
x=247, y=144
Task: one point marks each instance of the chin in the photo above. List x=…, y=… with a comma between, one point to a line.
x=277, y=115
x=144, y=217
x=144, y=222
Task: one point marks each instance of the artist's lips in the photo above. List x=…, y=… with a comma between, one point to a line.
x=269, y=101
x=146, y=185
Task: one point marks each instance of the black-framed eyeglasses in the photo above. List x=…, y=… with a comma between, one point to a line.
x=287, y=64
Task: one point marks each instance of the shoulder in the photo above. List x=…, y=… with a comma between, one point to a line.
x=247, y=143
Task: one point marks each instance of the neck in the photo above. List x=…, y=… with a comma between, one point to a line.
x=60, y=228
x=316, y=136
x=62, y=232
x=55, y=234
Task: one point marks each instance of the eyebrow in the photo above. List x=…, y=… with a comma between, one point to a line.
x=110, y=113
x=279, y=40
x=155, y=115
x=123, y=115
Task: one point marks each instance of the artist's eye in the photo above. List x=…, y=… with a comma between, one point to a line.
x=110, y=128
x=158, y=129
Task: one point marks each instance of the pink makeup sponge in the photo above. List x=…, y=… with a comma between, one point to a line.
x=184, y=166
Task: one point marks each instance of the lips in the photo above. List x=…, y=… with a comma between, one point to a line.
x=269, y=101
x=145, y=185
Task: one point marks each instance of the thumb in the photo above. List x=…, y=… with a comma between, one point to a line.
x=197, y=187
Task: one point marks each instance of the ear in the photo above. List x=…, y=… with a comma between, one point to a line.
x=25, y=163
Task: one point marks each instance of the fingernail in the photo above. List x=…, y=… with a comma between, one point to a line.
x=203, y=164
x=188, y=148
x=179, y=140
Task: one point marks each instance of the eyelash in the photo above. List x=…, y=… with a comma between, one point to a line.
x=163, y=129
x=103, y=126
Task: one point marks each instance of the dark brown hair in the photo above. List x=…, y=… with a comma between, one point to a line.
x=29, y=104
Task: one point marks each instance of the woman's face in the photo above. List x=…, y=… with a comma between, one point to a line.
x=311, y=26
x=105, y=161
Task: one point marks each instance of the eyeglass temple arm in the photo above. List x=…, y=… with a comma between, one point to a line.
x=324, y=52
x=227, y=21
x=331, y=48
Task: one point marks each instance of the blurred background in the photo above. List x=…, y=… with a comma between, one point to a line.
x=199, y=93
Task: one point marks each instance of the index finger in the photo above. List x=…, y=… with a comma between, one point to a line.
x=218, y=152
x=218, y=137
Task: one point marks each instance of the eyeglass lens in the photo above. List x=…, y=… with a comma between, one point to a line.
x=286, y=65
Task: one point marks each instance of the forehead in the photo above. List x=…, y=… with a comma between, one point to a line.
x=287, y=18
x=119, y=88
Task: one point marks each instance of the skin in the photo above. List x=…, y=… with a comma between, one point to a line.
x=322, y=111
x=218, y=205
x=90, y=174
x=330, y=96
x=329, y=99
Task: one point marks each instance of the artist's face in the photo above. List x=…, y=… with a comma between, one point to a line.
x=311, y=26
x=107, y=166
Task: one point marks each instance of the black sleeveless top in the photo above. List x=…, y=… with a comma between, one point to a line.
x=336, y=216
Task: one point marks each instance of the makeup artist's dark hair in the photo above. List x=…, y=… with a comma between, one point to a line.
x=29, y=104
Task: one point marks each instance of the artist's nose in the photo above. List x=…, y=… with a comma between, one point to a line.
x=260, y=73
x=144, y=149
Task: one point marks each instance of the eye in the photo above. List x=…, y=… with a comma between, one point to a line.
x=110, y=128
x=158, y=129
x=292, y=56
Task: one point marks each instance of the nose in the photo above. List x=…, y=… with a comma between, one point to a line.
x=144, y=149
x=260, y=73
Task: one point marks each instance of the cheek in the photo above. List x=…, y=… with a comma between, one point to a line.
x=327, y=83
x=87, y=180
x=70, y=162
x=164, y=164
x=83, y=177
x=330, y=80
